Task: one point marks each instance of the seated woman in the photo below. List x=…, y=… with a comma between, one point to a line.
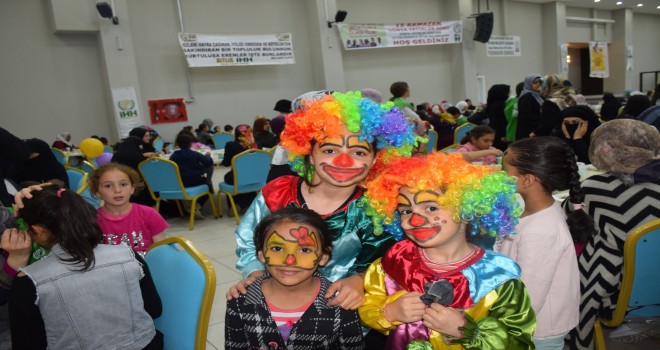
x=578, y=123
x=624, y=197
x=63, y=141
x=203, y=135
x=262, y=135
x=243, y=140
x=131, y=153
x=195, y=168
x=74, y=296
x=41, y=165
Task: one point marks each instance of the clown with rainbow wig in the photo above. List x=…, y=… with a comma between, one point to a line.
x=333, y=141
x=433, y=289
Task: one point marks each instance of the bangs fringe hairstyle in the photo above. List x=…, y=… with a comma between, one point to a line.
x=70, y=220
x=472, y=192
x=385, y=126
x=133, y=176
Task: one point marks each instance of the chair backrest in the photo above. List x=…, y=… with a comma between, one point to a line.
x=433, y=140
x=220, y=139
x=60, y=156
x=460, y=131
x=641, y=275
x=87, y=167
x=450, y=148
x=158, y=144
x=161, y=175
x=250, y=169
x=185, y=281
x=77, y=179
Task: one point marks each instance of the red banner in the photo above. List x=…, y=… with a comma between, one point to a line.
x=170, y=110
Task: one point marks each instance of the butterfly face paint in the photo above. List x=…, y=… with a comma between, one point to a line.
x=297, y=247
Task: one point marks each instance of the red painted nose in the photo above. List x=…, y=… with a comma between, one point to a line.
x=417, y=220
x=343, y=160
x=290, y=260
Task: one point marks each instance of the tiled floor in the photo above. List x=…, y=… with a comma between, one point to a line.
x=215, y=238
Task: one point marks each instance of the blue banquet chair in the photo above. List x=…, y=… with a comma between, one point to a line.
x=61, y=157
x=185, y=281
x=163, y=180
x=433, y=140
x=461, y=131
x=158, y=144
x=77, y=179
x=250, y=173
x=640, y=283
x=220, y=139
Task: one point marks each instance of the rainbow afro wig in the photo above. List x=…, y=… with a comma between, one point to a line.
x=382, y=125
x=474, y=193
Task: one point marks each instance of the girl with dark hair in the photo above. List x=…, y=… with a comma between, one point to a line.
x=544, y=244
x=290, y=309
x=262, y=135
x=83, y=288
x=195, y=168
x=477, y=145
x=203, y=135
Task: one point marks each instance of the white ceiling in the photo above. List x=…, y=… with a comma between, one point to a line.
x=650, y=6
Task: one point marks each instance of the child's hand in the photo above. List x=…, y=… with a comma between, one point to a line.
x=407, y=309
x=241, y=287
x=26, y=193
x=445, y=320
x=496, y=152
x=19, y=245
x=348, y=292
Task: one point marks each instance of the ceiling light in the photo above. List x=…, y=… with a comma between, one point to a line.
x=619, y=2
x=596, y=0
x=640, y=5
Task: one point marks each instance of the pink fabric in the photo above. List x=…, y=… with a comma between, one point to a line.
x=469, y=147
x=543, y=247
x=136, y=228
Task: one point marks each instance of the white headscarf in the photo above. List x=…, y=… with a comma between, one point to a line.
x=62, y=137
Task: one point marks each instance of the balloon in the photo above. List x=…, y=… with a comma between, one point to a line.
x=91, y=148
x=104, y=158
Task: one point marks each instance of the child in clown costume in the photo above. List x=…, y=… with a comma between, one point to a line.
x=434, y=289
x=332, y=140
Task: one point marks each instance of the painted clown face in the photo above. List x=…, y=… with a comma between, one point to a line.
x=342, y=161
x=424, y=222
x=292, y=253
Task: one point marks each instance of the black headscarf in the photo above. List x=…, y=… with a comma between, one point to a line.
x=129, y=152
x=41, y=168
x=610, y=108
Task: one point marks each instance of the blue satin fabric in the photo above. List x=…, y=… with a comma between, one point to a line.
x=491, y=271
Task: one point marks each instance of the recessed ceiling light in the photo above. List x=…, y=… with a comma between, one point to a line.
x=596, y=0
x=640, y=5
x=619, y=2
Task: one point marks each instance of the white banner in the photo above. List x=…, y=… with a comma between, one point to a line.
x=563, y=58
x=204, y=50
x=503, y=46
x=598, y=58
x=127, y=111
x=369, y=36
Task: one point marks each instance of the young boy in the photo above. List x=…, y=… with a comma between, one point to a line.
x=435, y=287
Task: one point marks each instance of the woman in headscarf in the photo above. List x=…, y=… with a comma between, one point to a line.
x=131, y=152
x=635, y=106
x=559, y=94
x=624, y=197
x=262, y=135
x=243, y=140
x=610, y=107
x=210, y=124
x=41, y=166
x=63, y=141
x=497, y=96
x=145, y=136
x=529, y=106
x=578, y=123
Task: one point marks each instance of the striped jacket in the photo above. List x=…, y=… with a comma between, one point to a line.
x=249, y=324
x=616, y=209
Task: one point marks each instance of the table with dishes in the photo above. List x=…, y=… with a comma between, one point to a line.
x=216, y=154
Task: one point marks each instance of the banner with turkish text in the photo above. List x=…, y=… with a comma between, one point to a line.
x=370, y=36
x=207, y=50
x=598, y=58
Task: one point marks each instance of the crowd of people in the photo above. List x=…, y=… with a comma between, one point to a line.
x=361, y=238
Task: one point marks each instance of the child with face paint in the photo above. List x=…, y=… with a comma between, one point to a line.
x=435, y=287
x=285, y=307
x=332, y=140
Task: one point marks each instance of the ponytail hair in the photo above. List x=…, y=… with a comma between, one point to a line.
x=477, y=132
x=553, y=162
x=69, y=219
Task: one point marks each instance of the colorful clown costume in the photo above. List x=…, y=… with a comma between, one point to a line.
x=495, y=304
